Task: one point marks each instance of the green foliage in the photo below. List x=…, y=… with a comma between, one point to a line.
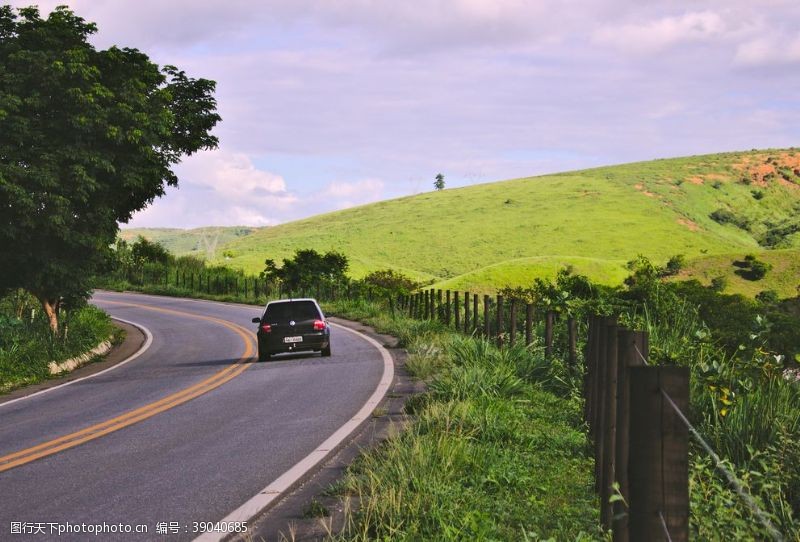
x=27, y=345
x=144, y=251
x=88, y=138
x=779, y=234
x=438, y=183
x=390, y=282
x=307, y=269
x=726, y=216
x=674, y=265
x=768, y=297
x=489, y=456
x=752, y=268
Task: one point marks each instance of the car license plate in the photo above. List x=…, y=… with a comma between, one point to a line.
x=297, y=339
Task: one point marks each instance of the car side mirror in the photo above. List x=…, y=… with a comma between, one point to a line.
x=256, y=320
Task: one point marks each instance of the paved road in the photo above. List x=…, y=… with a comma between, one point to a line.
x=194, y=462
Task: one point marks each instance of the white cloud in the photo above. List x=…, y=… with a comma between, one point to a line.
x=769, y=50
x=341, y=194
x=220, y=188
x=655, y=35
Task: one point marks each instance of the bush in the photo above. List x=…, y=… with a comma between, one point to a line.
x=725, y=216
x=27, y=345
x=768, y=297
x=674, y=265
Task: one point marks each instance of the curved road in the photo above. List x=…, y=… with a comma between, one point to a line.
x=185, y=433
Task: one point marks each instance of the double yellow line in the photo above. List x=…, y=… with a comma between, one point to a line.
x=71, y=440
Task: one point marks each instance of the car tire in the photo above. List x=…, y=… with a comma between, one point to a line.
x=263, y=356
x=326, y=352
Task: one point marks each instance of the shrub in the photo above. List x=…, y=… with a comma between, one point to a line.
x=725, y=216
x=757, y=194
x=718, y=284
x=674, y=265
x=768, y=297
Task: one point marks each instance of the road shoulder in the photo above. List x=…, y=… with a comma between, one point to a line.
x=289, y=518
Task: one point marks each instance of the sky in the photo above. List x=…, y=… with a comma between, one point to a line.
x=331, y=104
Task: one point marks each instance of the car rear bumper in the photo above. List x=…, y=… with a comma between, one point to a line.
x=310, y=342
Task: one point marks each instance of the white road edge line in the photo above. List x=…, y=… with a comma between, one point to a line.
x=148, y=341
x=274, y=490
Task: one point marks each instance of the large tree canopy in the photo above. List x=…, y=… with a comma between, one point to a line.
x=87, y=138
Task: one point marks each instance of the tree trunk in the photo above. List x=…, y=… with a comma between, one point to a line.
x=50, y=307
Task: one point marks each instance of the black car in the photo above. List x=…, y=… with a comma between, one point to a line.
x=292, y=325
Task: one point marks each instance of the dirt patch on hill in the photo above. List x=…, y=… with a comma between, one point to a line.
x=695, y=180
x=690, y=224
x=640, y=188
x=764, y=169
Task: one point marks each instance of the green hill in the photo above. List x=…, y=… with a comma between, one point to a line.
x=203, y=242
x=506, y=232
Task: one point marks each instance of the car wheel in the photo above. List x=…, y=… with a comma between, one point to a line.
x=263, y=355
x=326, y=352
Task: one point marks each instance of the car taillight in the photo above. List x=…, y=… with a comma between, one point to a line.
x=266, y=328
x=319, y=325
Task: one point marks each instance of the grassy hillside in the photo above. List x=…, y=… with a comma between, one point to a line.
x=784, y=277
x=204, y=242
x=506, y=232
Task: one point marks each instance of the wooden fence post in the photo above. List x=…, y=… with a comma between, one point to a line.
x=475, y=320
x=512, y=328
x=630, y=345
x=486, y=326
x=548, y=334
x=457, y=310
x=528, y=324
x=439, y=315
x=601, y=389
x=447, y=309
x=607, y=476
x=499, y=315
x=572, y=338
x=466, y=312
x=589, y=374
x=659, y=462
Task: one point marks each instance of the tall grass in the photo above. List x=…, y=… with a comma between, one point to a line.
x=491, y=455
x=744, y=408
x=27, y=345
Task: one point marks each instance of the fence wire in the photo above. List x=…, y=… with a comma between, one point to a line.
x=731, y=477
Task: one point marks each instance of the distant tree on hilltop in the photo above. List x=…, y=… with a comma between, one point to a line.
x=438, y=184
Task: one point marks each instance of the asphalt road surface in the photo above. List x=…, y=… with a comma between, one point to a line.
x=180, y=436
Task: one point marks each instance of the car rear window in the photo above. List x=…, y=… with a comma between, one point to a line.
x=292, y=310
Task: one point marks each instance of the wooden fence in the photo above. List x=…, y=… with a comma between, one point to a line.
x=640, y=442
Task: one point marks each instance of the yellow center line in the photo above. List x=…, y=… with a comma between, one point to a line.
x=126, y=419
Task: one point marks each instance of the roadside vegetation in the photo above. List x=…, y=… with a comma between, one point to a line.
x=28, y=345
x=495, y=450
x=743, y=359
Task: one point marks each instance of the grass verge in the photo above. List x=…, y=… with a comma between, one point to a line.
x=492, y=453
x=27, y=345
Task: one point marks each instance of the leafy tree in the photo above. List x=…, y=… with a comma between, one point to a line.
x=307, y=269
x=391, y=281
x=144, y=251
x=87, y=138
x=438, y=184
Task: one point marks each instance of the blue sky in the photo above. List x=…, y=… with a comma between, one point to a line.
x=326, y=104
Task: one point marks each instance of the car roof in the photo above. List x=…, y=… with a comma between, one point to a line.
x=292, y=300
